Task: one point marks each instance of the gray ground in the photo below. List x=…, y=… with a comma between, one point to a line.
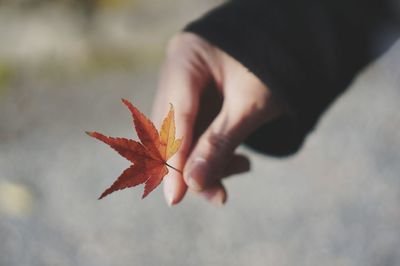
x=335, y=203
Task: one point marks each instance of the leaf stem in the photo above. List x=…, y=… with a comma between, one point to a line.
x=170, y=166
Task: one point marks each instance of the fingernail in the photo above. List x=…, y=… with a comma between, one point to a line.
x=197, y=173
x=169, y=196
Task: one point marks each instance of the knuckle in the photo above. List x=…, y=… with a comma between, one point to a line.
x=251, y=109
x=188, y=43
x=219, y=144
x=175, y=42
x=181, y=41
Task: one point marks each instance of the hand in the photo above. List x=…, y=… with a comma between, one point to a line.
x=193, y=70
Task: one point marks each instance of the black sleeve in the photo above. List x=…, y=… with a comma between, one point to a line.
x=306, y=52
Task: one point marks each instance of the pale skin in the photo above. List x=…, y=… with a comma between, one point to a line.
x=208, y=155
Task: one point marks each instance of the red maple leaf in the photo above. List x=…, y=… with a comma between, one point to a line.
x=149, y=158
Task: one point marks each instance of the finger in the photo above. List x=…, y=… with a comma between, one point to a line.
x=215, y=147
x=217, y=193
x=237, y=165
x=181, y=84
x=247, y=105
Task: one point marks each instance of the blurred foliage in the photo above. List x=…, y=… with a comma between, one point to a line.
x=87, y=7
x=114, y=3
x=7, y=73
x=86, y=4
x=101, y=59
x=70, y=38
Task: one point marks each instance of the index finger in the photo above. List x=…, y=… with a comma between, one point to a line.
x=180, y=83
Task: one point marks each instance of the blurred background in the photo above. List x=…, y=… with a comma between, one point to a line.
x=65, y=64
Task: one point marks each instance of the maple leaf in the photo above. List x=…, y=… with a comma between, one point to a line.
x=149, y=158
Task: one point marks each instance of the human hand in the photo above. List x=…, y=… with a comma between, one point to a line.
x=207, y=152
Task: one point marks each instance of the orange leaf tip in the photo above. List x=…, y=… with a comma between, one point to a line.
x=89, y=133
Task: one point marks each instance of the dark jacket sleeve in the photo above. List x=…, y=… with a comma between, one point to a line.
x=307, y=52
